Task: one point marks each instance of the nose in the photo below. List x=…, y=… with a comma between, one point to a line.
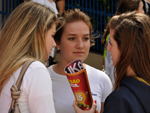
x=80, y=43
x=54, y=43
x=108, y=48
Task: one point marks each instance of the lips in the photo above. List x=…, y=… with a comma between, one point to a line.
x=78, y=53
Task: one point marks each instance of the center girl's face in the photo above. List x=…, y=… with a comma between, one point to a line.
x=113, y=48
x=75, y=42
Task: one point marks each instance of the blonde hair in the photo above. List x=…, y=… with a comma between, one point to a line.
x=23, y=37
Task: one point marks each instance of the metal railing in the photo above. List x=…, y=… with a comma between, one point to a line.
x=100, y=11
x=7, y=6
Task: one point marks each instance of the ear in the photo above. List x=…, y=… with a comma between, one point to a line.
x=58, y=46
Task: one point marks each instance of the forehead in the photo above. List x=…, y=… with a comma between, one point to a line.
x=112, y=31
x=76, y=27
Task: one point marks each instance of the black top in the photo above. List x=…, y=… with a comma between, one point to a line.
x=133, y=96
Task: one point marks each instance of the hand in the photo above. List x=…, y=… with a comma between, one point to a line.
x=78, y=110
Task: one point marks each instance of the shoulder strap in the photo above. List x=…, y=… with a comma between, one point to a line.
x=22, y=72
x=15, y=89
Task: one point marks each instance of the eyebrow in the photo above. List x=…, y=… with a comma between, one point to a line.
x=71, y=34
x=75, y=34
x=86, y=34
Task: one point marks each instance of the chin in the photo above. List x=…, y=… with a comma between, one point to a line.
x=113, y=64
x=82, y=59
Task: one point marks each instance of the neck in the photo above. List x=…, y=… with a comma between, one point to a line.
x=59, y=68
x=130, y=72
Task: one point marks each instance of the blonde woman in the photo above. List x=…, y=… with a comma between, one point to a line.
x=27, y=34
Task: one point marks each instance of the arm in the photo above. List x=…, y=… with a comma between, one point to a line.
x=38, y=87
x=61, y=6
x=102, y=107
x=107, y=89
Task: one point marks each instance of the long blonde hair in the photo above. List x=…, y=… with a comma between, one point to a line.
x=23, y=37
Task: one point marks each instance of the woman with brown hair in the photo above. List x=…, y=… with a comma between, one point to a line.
x=130, y=50
x=74, y=40
x=122, y=7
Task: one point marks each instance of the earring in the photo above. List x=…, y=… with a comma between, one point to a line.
x=57, y=48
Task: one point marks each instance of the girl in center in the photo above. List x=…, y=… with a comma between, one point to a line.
x=73, y=41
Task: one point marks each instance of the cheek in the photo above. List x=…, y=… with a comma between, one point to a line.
x=117, y=53
x=87, y=45
x=87, y=49
x=48, y=44
x=66, y=47
x=108, y=48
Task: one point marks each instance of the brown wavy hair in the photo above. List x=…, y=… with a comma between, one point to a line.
x=73, y=15
x=133, y=39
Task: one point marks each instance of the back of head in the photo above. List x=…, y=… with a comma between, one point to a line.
x=24, y=31
x=123, y=6
x=127, y=6
x=72, y=15
x=23, y=37
x=133, y=39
